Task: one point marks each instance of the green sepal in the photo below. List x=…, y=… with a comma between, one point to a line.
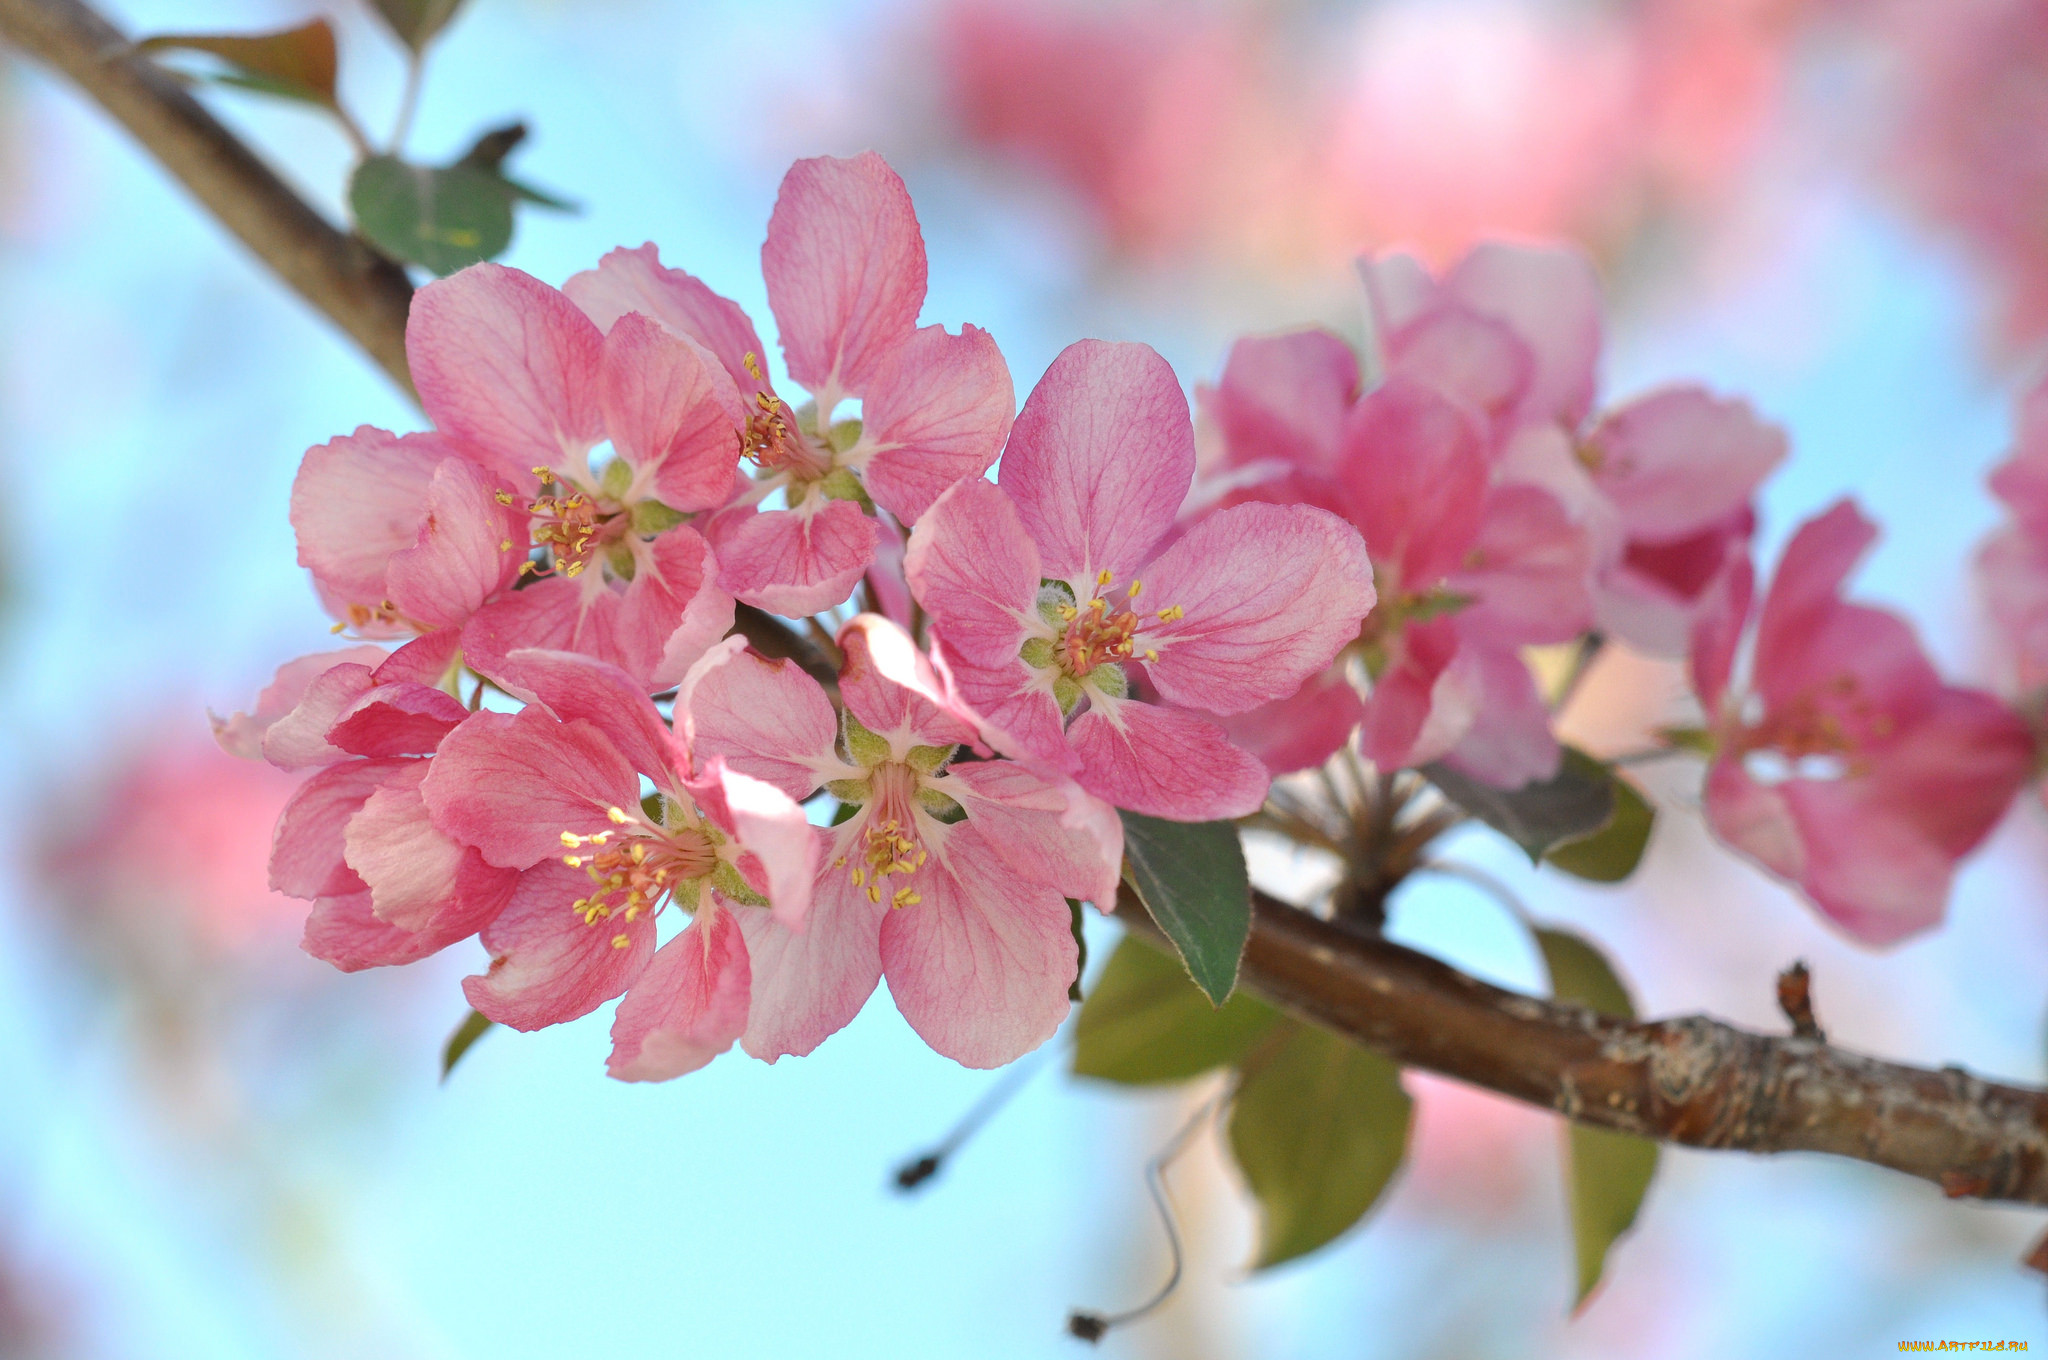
x=840, y=484
x=853, y=792
x=652, y=517
x=727, y=880
x=1039, y=653
x=863, y=747
x=929, y=759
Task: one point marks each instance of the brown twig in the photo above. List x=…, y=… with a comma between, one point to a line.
x=358, y=289
x=1691, y=1080
x=1795, y=998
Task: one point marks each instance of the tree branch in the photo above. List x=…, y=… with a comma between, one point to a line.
x=358, y=289
x=1691, y=1080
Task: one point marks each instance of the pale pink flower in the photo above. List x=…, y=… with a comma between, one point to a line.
x=1845, y=766
x=1062, y=609
x=950, y=876
x=2013, y=563
x=845, y=269
x=550, y=795
x=516, y=377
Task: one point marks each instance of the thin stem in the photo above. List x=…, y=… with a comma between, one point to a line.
x=922, y=1168
x=408, y=101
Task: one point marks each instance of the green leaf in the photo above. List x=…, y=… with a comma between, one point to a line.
x=442, y=219
x=1576, y=802
x=1191, y=877
x=1607, y=1173
x=1318, y=1129
x=1080, y=948
x=297, y=63
x=467, y=1033
x=1612, y=853
x=417, y=21
x=1145, y=1023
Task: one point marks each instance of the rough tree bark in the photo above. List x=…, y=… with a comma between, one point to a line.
x=1691, y=1080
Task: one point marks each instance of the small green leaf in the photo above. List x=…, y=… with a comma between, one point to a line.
x=1318, y=1129
x=1610, y=854
x=442, y=219
x=1191, y=877
x=1080, y=948
x=1608, y=1173
x=1576, y=802
x=297, y=63
x=1145, y=1023
x=467, y=1033
x=417, y=21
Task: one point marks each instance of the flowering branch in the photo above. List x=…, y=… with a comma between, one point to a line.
x=359, y=290
x=1690, y=1080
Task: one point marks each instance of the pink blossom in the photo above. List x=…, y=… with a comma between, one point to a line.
x=1845, y=765
x=2013, y=563
x=551, y=796
x=949, y=878
x=517, y=378
x=1062, y=608
x=845, y=269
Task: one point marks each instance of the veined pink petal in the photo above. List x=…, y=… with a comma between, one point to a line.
x=1166, y=762
x=1676, y=461
x=976, y=571
x=1753, y=819
x=807, y=987
x=1302, y=730
x=1650, y=597
x=937, y=410
x=1282, y=399
x=1100, y=459
x=299, y=738
x=402, y=719
x=1527, y=572
x=1717, y=633
x=1270, y=593
x=672, y=414
x=242, y=734
x=508, y=367
x=574, y=687
x=1808, y=582
x=771, y=827
x=342, y=930
x=687, y=1007
x=707, y=618
x=512, y=784
x=409, y=867
x=356, y=501
x=637, y=281
x=1866, y=868
x=1551, y=297
x=308, y=857
x=1414, y=479
x=763, y=718
x=885, y=579
x=794, y=562
x=1509, y=743
x=887, y=684
x=547, y=965
x=466, y=549
x=845, y=268
x=1397, y=730
x=981, y=965
x=1046, y=830
x=427, y=660
x=1014, y=708
x=652, y=633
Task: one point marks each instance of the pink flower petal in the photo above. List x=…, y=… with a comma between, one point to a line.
x=1552, y=298
x=1100, y=459
x=356, y=501
x=764, y=718
x=547, y=965
x=887, y=684
x=1014, y=708
x=794, y=562
x=981, y=965
x=1509, y=743
x=687, y=1007
x=299, y=738
x=1044, y=828
x=1166, y=762
x=672, y=414
x=1415, y=474
x=1397, y=731
x=508, y=367
x=807, y=987
x=512, y=784
x=637, y=281
x=1477, y=359
x=1717, y=633
x=782, y=847
x=579, y=687
x=343, y=931
x=1282, y=399
x=937, y=410
x=1528, y=571
x=1271, y=592
x=242, y=734
x=308, y=857
x=1302, y=730
x=975, y=570
x=845, y=268
x=1650, y=597
x=467, y=549
x=427, y=660
x=1676, y=461
x=409, y=867
x=1754, y=819
x=403, y=719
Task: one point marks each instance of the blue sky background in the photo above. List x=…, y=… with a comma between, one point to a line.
x=156, y=390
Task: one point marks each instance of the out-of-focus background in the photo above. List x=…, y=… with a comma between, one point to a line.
x=212, y=1146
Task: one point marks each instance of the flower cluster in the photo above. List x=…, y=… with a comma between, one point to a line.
x=575, y=753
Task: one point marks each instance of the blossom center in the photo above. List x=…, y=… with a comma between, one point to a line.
x=889, y=845
x=567, y=521
x=635, y=866
x=1832, y=720
x=1098, y=631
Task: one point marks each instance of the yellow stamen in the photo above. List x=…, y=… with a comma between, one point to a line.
x=1171, y=613
x=620, y=941
x=617, y=816
x=504, y=497
x=1104, y=577
x=1136, y=587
